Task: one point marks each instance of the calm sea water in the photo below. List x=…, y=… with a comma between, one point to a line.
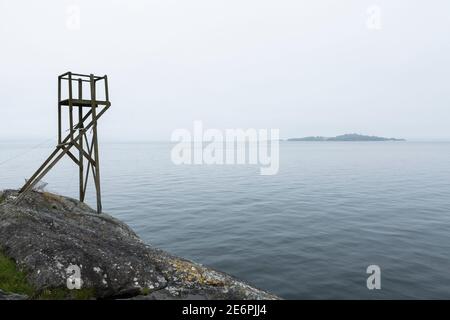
x=309, y=232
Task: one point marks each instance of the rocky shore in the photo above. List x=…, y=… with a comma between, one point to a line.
x=46, y=235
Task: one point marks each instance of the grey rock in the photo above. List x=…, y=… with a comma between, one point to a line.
x=46, y=233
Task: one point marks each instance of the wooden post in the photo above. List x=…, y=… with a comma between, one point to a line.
x=80, y=141
x=59, y=110
x=70, y=107
x=94, y=145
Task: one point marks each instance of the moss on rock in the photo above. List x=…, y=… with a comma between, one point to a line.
x=13, y=280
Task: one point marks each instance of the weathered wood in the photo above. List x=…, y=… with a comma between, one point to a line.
x=59, y=110
x=43, y=173
x=95, y=147
x=58, y=147
x=70, y=154
x=106, y=88
x=88, y=151
x=80, y=142
x=70, y=107
x=86, y=155
x=83, y=103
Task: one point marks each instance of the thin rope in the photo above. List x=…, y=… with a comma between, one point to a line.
x=26, y=152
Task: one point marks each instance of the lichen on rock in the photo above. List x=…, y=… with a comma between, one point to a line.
x=45, y=234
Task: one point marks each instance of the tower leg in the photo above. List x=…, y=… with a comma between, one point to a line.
x=94, y=145
x=80, y=141
x=97, y=171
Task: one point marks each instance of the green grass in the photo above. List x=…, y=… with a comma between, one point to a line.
x=15, y=281
x=12, y=280
x=64, y=293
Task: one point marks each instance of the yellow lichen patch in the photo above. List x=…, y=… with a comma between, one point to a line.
x=195, y=274
x=51, y=197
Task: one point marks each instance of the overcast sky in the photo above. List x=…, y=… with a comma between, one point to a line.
x=306, y=67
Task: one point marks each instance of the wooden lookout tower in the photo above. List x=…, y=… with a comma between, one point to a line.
x=88, y=96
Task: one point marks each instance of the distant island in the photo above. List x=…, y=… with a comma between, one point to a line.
x=346, y=137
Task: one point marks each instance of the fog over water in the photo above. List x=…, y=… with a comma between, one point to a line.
x=304, y=67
